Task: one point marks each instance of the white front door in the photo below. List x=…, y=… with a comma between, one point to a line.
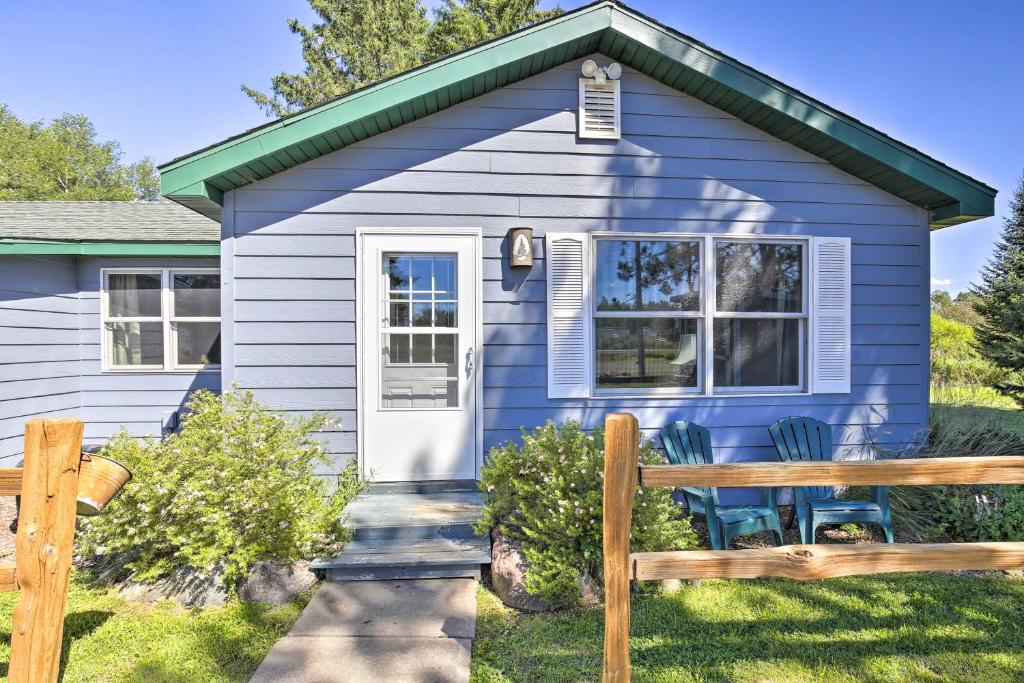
x=418, y=352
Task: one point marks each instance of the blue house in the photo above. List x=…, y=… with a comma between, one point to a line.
x=700, y=241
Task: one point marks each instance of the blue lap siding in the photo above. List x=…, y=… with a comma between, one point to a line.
x=512, y=158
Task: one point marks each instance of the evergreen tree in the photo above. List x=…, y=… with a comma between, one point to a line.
x=64, y=160
x=358, y=42
x=459, y=24
x=1000, y=297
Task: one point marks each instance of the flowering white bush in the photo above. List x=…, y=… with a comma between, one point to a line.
x=548, y=495
x=234, y=486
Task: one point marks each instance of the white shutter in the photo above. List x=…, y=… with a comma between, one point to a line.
x=830, y=315
x=599, y=109
x=569, y=347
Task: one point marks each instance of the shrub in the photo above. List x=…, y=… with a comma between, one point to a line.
x=234, y=486
x=964, y=513
x=547, y=494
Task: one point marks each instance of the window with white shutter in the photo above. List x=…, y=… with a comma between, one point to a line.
x=599, y=109
x=830, y=334
x=569, y=344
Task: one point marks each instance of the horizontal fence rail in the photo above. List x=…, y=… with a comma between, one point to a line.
x=623, y=473
x=1004, y=469
x=10, y=481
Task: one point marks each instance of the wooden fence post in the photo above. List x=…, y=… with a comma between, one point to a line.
x=621, y=451
x=44, y=546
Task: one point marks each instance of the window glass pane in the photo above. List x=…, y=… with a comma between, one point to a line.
x=398, y=271
x=422, y=351
x=763, y=277
x=444, y=315
x=444, y=277
x=136, y=343
x=422, y=276
x=399, y=314
x=421, y=315
x=398, y=348
x=197, y=295
x=646, y=352
x=133, y=295
x=444, y=348
x=634, y=275
x=754, y=352
x=198, y=343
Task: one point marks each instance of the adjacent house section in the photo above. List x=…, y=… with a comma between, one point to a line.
x=109, y=311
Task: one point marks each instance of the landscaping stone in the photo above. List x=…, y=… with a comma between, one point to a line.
x=276, y=583
x=187, y=586
x=508, y=575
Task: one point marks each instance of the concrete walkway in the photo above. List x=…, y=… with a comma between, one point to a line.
x=420, y=631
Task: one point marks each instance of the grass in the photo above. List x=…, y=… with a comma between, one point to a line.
x=110, y=640
x=891, y=628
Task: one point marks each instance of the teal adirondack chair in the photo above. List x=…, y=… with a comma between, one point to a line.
x=689, y=443
x=804, y=438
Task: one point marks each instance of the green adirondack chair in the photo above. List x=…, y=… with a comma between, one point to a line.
x=689, y=443
x=804, y=438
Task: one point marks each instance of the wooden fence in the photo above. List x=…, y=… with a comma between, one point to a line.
x=623, y=474
x=48, y=486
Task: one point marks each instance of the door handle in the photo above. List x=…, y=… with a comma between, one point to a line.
x=469, y=362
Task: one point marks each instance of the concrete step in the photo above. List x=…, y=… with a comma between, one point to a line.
x=401, y=535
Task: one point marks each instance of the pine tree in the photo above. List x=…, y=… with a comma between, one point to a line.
x=358, y=42
x=459, y=24
x=1000, y=297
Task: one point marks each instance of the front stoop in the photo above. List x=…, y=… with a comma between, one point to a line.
x=352, y=632
x=408, y=531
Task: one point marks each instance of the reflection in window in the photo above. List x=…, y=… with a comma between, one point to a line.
x=646, y=352
x=759, y=277
x=636, y=275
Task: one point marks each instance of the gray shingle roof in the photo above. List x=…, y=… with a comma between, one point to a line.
x=160, y=221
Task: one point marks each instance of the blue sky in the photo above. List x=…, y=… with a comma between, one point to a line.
x=163, y=76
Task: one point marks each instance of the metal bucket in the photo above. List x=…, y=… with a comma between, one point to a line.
x=99, y=480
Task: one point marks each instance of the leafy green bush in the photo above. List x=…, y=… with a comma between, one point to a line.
x=547, y=494
x=964, y=513
x=955, y=358
x=234, y=486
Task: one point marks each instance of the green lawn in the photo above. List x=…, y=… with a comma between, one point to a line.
x=107, y=639
x=894, y=628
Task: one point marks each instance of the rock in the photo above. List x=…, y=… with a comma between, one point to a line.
x=508, y=574
x=187, y=586
x=590, y=591
x=275, y=583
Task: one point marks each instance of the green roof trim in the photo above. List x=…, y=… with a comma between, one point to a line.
x=52, y=247
x=199, y=180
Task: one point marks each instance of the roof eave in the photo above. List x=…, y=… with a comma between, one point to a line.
x=27, y=247
x=198, y=181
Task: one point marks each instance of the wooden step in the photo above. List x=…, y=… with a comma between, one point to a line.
x=413, y=516
x=446, y=486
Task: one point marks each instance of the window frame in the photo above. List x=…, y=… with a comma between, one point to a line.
x=707, y=315
x=167, y=320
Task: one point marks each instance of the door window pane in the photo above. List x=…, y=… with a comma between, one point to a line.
x=753, y=352
x=444, y=314
x=422, y=348
x=399, y=315
x=646, y=352
x=635, y=275
x=398, y=348
x=136, y=344
x=421, y=315
x=196, y=295
x=133, y=295
x=198, y=343
x=759, y=277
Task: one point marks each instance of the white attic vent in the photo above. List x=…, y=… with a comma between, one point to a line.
x=599, y=109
